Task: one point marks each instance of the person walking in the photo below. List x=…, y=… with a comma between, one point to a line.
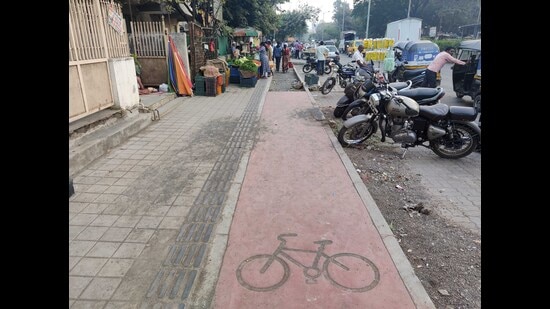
x=277, y=54
x=321, y=52
x=435, y=66
x=269, y=49
x=264, y=60
x=286, y=57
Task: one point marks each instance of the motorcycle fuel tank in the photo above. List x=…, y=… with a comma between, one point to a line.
x=400, y=106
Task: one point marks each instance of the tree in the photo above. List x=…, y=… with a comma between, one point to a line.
x=259, y=14
x=447, y=15
x=342, y=10
x=294, y=23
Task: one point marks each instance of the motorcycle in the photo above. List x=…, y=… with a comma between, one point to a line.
x=311, y=64
x=352, y=92
x=400, y=73
x=344, y=76
x=422, y=96
x=449, y=131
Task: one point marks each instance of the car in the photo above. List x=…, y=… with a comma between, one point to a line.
x=332, y=51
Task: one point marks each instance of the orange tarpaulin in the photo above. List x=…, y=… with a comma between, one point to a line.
x=181, y=83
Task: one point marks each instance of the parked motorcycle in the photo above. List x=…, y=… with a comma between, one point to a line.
x=342, y=75
x=422, y=96
x=400, y=73
x=352, y=92
x=449, y=131
x=311, y=64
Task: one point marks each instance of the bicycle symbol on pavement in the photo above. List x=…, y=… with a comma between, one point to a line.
x=348, y=271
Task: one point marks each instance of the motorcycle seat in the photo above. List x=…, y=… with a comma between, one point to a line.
x=409, y=74
x=464, y=113
x=434, y=112
x=419, y=93
x=399, y=85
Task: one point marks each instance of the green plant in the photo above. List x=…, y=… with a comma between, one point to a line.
x=248, y=65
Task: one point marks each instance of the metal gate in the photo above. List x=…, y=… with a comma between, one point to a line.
x=97, y=32
x=149, y=41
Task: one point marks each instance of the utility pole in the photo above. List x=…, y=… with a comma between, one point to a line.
x=409, y=11
x=342, y=15
x=368, y=18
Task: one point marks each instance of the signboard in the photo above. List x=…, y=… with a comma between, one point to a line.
x=115, y=20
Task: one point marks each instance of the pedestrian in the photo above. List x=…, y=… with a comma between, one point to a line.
x=321, y=52
x=277, y=54
x=435, y=66
x=264, y=60
x=269, y=49
x=297, y=45
x=286, y=57
x=365, y=69
x=235, y=51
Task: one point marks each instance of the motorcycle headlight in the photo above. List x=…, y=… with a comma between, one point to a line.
x=374, y=99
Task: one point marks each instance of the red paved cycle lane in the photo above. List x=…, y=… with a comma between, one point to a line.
x=296, y=183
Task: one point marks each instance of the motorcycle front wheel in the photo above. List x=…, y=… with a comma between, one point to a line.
x=328, y=69
x=357, y=133
x=354, y=111
x=328, y=85
x=462, y=142
x=307, y=68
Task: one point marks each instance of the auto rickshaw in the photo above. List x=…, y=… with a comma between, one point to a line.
x=416, y=54
x=467, y=78
x=353, y=46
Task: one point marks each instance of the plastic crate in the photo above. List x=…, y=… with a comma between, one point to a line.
x=211, y=83
x=311, y=79
x=234, y=71
x=249, y=82
x=235, y=79
x=199, y=84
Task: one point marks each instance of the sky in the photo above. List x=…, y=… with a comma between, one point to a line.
x=326, y=6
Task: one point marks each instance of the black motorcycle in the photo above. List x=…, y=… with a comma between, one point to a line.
x=422, y=96
x=342, y=75
x=400, y=73
x=353, y=91
x=311, y=64
x=449, y=131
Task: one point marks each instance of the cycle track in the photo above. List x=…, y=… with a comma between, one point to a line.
x=295, y=182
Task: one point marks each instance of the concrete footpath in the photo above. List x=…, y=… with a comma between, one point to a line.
x=244, y=200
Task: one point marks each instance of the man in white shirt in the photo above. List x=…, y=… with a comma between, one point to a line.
x=320, y=52
x=364, y=68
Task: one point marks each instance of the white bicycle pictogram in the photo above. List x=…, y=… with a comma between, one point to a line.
x=348, y=271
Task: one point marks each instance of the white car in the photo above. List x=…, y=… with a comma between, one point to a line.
x=332, y=51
